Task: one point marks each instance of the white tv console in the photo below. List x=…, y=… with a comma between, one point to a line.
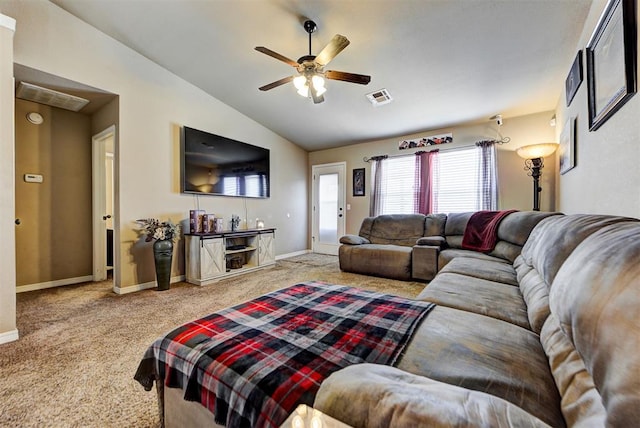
x=209, y=257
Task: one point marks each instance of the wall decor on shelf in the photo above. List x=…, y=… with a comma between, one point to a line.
x=358, y=182
x=574, y=79
x=434, y=140
x=611, y=62
x=567, y=149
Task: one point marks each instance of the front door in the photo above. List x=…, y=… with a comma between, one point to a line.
x=328, y=207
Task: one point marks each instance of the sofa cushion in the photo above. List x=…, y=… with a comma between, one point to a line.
x=553, y=240
x=455, y=227
x=388, y=261
x=493, y=299
x=434, y=224
x=547, y=248
x=370, y=395
x=535, y=293
x=581, y=403
x=491, y=270
x=595, y=297
x=488, y=355
x=514, y=230
x=397, y=229
x=451, y=253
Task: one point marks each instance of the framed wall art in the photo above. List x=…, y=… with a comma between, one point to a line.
x=574, y=79
x=433, y=140
x=611, y=62
x=358, y=182
x=567, y=149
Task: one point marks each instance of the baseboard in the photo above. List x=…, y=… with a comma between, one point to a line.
x=144, y=286
x=8, y=336
x=288, y=255
x=51, y=284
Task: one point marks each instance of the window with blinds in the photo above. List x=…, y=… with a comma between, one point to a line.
x=455, y=184
x=398, y=185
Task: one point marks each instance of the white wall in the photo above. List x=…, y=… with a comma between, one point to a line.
x=154, y=103
x=606, y=179
x=516, y=188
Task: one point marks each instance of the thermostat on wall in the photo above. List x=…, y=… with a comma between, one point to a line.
x=33, y=178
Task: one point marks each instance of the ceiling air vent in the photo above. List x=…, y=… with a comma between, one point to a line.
x=38, y=94
x=379, y=97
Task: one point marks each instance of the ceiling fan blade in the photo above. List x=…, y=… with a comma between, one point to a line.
x=335, y=46
x=276, y=83
x=276, y=55
x=361, y=79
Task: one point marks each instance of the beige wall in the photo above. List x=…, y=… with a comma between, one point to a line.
x=606, y=179
x=516, y=188
x=53, y=241
x=8, y=331
x=153, y=104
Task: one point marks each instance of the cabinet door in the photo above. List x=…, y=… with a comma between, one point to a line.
x=266, y=250
x=212, y=261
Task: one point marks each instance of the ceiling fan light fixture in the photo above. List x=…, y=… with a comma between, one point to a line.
x=318, y=84
x=300, y=82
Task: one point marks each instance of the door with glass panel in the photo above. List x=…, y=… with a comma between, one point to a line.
x=328, y=211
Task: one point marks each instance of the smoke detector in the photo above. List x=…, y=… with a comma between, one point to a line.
x=38, y=94
x=379, y=97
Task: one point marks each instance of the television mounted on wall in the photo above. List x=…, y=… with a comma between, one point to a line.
x=220, y=166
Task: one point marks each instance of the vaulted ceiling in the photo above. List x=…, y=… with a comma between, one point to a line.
x=444, y=62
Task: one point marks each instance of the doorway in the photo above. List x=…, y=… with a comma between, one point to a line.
x=103, y=146
x=328, y=199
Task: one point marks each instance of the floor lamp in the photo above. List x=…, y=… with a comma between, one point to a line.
x=534, y=155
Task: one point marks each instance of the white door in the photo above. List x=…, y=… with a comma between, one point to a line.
x=328, y=207
x=103, y=197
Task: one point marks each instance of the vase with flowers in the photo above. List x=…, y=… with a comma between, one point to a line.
x=164, y=233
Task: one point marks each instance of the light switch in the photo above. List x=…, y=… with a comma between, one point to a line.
x=33, y=178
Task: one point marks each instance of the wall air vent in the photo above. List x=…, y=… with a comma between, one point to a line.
x=379, y=97
x=38, y=94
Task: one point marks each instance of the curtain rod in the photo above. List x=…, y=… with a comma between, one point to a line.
x=504, y=140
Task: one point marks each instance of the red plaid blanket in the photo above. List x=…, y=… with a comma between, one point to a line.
x=253, y=363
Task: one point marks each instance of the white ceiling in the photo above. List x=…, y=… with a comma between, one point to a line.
x=444, y=62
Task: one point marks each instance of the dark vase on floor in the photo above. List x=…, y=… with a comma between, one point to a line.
x=163, y=253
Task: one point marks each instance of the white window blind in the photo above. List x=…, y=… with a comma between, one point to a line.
x=455, y=183
x=456, y=186
x=398, y=185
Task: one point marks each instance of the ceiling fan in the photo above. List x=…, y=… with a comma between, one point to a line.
x=310, y=80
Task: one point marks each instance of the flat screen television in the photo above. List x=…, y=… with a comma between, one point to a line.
x=215, y=165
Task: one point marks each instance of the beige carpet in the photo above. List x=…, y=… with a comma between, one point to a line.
x=80, y=345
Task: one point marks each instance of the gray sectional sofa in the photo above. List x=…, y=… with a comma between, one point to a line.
x=548, y=335
x=416, y=246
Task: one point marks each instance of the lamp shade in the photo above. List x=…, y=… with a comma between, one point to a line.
x=534, y=151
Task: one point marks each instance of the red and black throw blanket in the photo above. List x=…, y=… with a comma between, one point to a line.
x=481, y=233
x=253, y=363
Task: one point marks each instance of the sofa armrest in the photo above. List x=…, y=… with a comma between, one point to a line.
x=381, y=396
x=433, y=241
x=424, y=262
x=354, y=240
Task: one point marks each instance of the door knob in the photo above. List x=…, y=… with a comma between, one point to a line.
x=17, y=221
x=104, y=217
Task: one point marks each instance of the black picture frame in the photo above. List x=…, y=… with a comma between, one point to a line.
x=567, y=143
x=574, y=79
x=611, y=62
x=358, y=181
